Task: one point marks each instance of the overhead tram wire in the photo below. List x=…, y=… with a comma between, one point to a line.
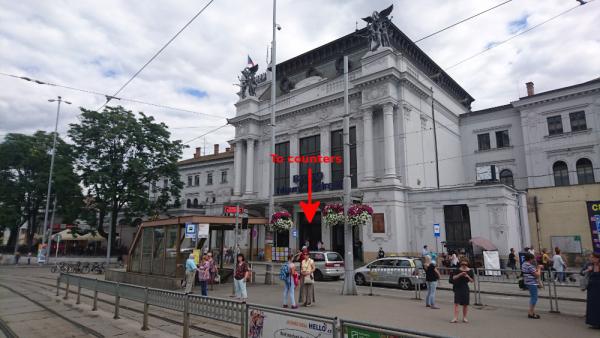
x=516, y=35
x=208, y=132
x=156, y=54
x=106, y=95
x=461, y=21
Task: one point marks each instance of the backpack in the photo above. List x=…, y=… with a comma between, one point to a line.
x=284, y=272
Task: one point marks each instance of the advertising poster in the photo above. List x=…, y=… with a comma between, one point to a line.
x=354, y=332
x=203, y=230
x=263, y=323
x=593, y=208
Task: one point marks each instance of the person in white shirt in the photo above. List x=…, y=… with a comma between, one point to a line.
x=559, y=265
x=425, y=251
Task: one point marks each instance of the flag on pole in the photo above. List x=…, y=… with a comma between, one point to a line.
x=250, y=62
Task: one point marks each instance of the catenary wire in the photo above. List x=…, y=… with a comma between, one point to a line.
x=461, y=21
x=157, y=53
x=515, y=36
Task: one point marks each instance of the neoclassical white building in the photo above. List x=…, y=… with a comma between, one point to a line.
x=392, y=92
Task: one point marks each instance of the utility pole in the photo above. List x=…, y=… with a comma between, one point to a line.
x=46, y=225
x=349, y=284
x=273, y=101
x=435, y=146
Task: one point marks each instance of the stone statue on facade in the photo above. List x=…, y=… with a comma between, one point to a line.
x=248, y=81
x=378, y=28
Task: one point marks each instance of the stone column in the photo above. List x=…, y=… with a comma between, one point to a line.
x=237, y=168
x=388, y=141
x=249, y=166
x=369, y=174
x=326, y=151
x=294, y=151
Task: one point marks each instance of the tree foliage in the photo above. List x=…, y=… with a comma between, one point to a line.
x=24, y=170
x=121, y=157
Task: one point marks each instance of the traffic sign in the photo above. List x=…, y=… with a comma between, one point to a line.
x=190, y=230
x=294, y=232
x=436, y=230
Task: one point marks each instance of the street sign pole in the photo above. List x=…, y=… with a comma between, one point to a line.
x=436, y=234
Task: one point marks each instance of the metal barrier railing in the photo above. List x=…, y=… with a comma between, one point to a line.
x=224, y=310
x=351, y=328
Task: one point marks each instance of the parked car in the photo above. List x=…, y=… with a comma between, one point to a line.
x=398, y=271
x=328, y=264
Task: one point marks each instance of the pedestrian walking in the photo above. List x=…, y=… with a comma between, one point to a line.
x=559, y=265
x=204, y=275
x=432, y=276
x=17, y=257
x=592, y=274
x=425, y=251
x=531, y=274
x=214, y=270
x=242, y=274
x=307, y=280
x=460, y=279
x=512, y=262
x=380, y=253
x=190, y=273
x=289, y=276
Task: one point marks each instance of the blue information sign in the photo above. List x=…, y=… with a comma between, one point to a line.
x=190, y=230
x=436, y=230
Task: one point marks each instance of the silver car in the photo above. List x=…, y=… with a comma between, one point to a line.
x=328, y=264
x=400, y=271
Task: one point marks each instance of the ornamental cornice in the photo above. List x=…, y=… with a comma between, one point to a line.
x=522, y=103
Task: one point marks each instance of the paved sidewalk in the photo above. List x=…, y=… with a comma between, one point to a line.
x=397, y=309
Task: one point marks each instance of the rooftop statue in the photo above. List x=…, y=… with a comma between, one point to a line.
x=377, y=28
x=248, y=81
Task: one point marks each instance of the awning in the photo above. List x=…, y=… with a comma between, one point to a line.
x=66, y=235
x=91, y=238
x=483, y=243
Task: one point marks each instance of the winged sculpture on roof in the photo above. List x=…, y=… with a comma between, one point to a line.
x=378, y=25
x=248, y=81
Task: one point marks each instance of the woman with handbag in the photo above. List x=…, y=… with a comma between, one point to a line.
x=242, y=273
x=531, y=274
x=592, y=274
x=204, y=275
x=307, y=280
x=289, y=284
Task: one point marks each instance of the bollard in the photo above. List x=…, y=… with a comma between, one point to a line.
x=58, y=284
x=186, y=317
x=268, y=272
x=95, y=301
x=67, y=288
x=371, y=281
x=78, y=291
x=117, y=300
x=146, y=308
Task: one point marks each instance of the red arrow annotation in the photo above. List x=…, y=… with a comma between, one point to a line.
x=310, y=208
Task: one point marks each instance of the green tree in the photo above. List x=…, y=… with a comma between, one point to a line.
x=24, y=169
x=120, y=158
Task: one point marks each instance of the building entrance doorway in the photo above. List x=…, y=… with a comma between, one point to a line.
x=338, y=245
x=458, y=228
x=310, y=232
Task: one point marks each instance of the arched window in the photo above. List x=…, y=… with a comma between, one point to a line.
x=585, y=171
x=189, y=203
x=195, y=202
x=506, y=178
x=561, y=173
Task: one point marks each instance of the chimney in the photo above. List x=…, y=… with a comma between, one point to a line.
x=198, y=152
x=227, y=150
x=216, y=149
x=530, y=91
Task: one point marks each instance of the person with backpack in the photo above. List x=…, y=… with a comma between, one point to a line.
x=289, y=276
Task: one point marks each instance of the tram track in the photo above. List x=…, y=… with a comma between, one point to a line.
x=162, y=317
x=80, y=326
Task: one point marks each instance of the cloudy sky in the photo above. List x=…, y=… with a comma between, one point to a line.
x=97, y=45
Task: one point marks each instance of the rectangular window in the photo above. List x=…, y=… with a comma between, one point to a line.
x=282, y=170
x=197, y=180
x=555, y=125
x=309, y=146
x=378, y=223
x=189, y=181
x=223, y=176
x=483, y=140
x=502, y=140
x=578, y=121
x=209, y=179
x=337, y=149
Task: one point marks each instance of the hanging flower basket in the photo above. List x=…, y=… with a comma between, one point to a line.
x=281, y=221
x=334, y=214
x=359, y=214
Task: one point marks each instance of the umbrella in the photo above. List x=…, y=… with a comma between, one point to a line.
x=484, y=243
x=92, y=238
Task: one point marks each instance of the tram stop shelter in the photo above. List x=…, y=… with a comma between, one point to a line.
x=159, y=249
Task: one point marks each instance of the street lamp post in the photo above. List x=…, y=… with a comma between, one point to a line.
x=46, y=225
x=273, y=101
